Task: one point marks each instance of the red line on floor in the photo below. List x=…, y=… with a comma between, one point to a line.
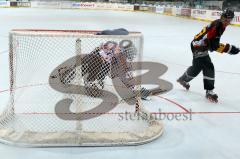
x=116, y=113
x=175, y=103
x=197, y=113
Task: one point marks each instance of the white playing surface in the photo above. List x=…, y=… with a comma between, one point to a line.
x=214, y=129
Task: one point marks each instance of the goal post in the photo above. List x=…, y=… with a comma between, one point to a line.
x=65, y=90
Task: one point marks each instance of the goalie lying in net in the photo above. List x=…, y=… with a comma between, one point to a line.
x=111, y=59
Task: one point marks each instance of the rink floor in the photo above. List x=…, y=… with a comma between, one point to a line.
x=213, y=131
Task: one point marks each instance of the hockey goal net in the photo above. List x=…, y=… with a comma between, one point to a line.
x=75, y=88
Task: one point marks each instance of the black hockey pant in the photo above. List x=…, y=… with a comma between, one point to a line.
x=201, y=64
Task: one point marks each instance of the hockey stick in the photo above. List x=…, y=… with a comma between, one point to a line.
x=145, y=93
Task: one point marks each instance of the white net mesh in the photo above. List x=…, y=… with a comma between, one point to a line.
x=62, y=90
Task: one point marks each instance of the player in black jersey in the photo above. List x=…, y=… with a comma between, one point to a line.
x=208, y=40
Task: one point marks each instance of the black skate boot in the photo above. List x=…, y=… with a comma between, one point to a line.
x=184, y=83
x=211, y=96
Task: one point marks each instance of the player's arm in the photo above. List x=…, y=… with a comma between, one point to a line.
x=213, y=39
x=213, y=36
x=227, y=48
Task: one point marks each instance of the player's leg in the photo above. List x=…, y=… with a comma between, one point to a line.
x=190, y=73
x=91, y=68
x=193, y=70
x=209, y=78
x=103, y=72
x=208, y=73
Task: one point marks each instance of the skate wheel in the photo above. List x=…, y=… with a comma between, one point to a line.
x=212, y=100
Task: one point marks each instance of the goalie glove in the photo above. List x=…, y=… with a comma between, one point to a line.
x=144, y=93
x=65, y=74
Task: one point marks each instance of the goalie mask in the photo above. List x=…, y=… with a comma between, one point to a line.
x=107, y=50
x=110, y=45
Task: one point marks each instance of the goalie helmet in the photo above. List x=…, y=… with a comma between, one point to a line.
x=128, y=49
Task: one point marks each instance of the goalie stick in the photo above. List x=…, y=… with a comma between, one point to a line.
x=144, y=94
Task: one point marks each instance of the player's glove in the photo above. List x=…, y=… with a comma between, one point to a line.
x=233, y=50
